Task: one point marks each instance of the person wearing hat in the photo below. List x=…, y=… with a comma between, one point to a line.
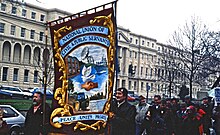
x=188, y=101
x=191, y=122
x=123, y=114
x=207, y=108
x=141, y=109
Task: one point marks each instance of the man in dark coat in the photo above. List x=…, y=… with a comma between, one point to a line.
x=207, y=121
x=34, y=118
x=123, y=120
x=191, y=122
x=157, y=116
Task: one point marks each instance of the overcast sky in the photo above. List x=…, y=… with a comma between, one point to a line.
x=157, y=19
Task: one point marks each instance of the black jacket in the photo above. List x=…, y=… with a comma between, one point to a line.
x=123, y=122
x=34, y=121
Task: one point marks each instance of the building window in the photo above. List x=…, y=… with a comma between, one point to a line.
x=141, y=71
x=5, y=74
x=42, y=18
x=33, y=15
x=142, y=42
x=35, y=76
x=135, y=69
x=24, y=12
x=129, y=85
x=146, y=72
x=135, y=85
x=22, y=32
x=151, y=85
x=142, y=85
x=136, y=41
x=15, y=76
x=130, y=54
x=131, y=40
x=13, y=27
x=158, y=62
x=135, y=55
x=158, y=49
x=32, y=34
x=3, y=7
x=2, y=27
x=41, y=36
x=123, y=83
x=151, y=72
x=26, y=73
x=14, y=10
x=152, y=45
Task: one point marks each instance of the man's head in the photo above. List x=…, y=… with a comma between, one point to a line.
x=183, y=106
x=37, y=98
x=205, y=100
x=121, y=94
x=157, y=99
x=191, y=110
x=174, y=101
x=187, y=98
x=142, y=99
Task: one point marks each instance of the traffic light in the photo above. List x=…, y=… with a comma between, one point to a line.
x=131, y=70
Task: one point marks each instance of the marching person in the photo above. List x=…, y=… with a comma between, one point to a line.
x=188, y=101
x=156, y=124
x=191, y=122
x=123, y=117
x=216, y=118
x=34, y=118
x=3, y=124
x=141, y=109
x=207, y=121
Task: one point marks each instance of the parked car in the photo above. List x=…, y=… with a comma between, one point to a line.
x=130, y=98
x=5, y=95
x=14, y=92
x=132, y=94
x=49, y=92
x=14, y=119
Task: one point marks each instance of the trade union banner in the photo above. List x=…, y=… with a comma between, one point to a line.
x=84, y=46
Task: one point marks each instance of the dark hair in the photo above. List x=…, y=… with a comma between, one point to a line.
x=40, y=93
x=124, y=91
x=157, y=96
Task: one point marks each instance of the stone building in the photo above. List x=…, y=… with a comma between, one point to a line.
x=24, y=40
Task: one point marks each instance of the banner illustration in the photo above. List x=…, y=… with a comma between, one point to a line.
x=84, y=54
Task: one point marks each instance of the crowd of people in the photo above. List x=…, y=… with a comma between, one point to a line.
x=164, y=116
x=161, y=117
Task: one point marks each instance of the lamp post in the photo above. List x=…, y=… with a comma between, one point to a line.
x=45, y=61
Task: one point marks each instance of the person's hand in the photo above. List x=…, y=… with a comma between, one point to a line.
x=111, y=115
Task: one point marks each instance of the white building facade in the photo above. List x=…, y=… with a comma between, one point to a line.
x=23, y=42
